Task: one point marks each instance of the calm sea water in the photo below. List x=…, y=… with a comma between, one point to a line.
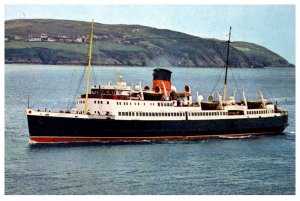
x=255, y=165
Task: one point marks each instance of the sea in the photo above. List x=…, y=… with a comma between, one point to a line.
x=248, y=165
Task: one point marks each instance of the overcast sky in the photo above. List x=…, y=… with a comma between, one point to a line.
x=272, y=26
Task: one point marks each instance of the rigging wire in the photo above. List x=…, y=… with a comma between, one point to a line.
x=221, y=73
x=236, y=79
x=70, y=101
x=94, y=77
x=270, y=94
x=77, y=89
x=226, y=65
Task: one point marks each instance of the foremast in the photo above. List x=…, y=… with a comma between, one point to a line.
x=89, y=68
x=227, y=64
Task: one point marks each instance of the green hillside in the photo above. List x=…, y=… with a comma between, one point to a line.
x=126, y=45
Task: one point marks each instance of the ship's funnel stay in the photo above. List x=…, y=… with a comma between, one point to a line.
x=161, y=79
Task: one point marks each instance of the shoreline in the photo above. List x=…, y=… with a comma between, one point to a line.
x=68, y=65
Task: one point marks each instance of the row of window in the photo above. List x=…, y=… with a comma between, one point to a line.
x=151, y=114
x=101, y=102
x=168, y=114
x=126, y=103
x=96, y=102
x=165, y=114
x=208, y=113
x=151, y=104
x=164, y=104
x=260, y=112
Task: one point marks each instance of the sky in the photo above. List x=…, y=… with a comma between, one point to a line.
x=272, y=26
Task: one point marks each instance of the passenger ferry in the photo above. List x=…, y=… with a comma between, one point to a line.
x=117, y=112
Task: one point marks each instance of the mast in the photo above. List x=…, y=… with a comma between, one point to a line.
x=89, y=68
x=227, y=64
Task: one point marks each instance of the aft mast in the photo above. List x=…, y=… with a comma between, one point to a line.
x=89, y=68
x=227, y=64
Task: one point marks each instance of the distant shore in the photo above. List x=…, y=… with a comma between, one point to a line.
x=65, y=42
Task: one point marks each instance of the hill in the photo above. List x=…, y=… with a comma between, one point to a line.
x=46, y=41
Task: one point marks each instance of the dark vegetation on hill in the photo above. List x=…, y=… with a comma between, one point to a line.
x=125, y=45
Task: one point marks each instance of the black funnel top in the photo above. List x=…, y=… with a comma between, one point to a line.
x=162, y=74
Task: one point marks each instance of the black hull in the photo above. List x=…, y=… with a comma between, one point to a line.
x=60, y=129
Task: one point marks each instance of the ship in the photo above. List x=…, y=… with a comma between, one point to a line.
x=117, y=112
